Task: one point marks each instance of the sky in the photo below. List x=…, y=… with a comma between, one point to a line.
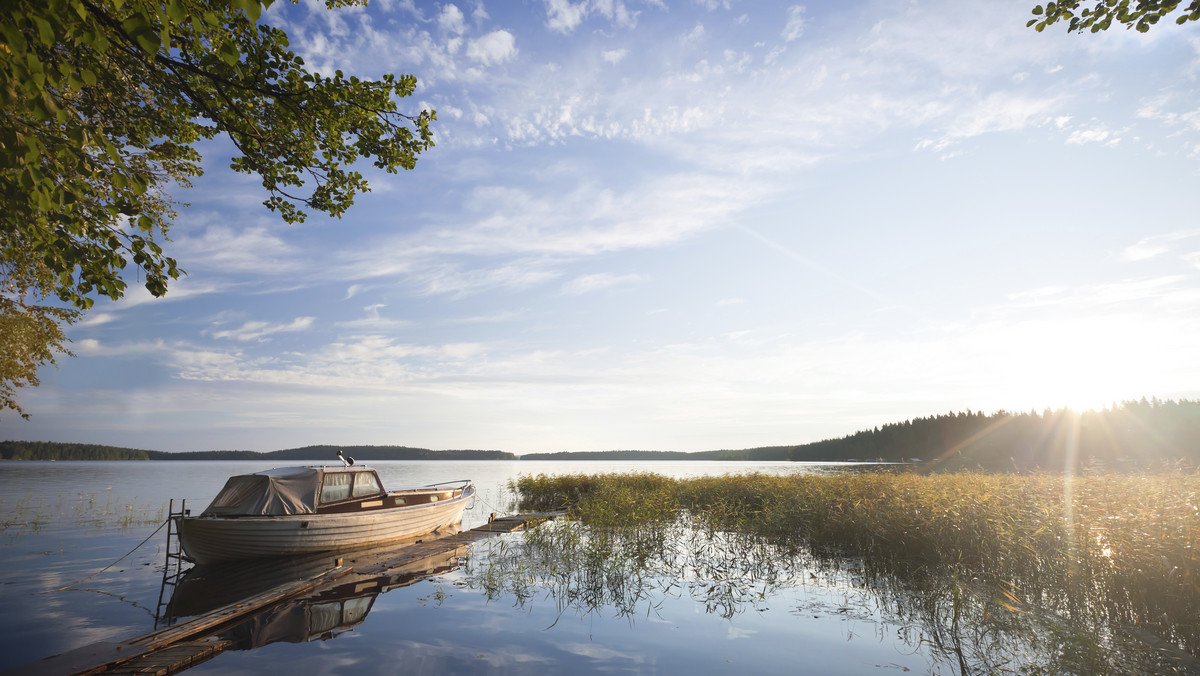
x=680, y=225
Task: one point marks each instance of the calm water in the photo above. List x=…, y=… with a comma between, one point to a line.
x=502, y=605
x=66, y=521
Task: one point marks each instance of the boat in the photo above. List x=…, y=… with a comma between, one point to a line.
x=291, y=511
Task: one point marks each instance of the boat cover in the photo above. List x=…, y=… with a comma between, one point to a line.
x=285, y=490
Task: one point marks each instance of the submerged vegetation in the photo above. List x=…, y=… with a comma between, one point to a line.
x=32, y=514
x=1092, y=573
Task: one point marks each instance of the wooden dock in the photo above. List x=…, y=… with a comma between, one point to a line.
x=180, y=646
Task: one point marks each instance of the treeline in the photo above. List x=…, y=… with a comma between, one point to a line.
x=46, y=450
x=752, y=454
x=1130, y=434
x=1133, y=433
x=373, y=453
x=49, y=450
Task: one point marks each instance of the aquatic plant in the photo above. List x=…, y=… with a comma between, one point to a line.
x=32, y=513
x=1107, y=554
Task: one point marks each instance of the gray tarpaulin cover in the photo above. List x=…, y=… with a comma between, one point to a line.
x=286, y=490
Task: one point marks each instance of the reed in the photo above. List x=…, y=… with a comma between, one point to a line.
x=1121, y=547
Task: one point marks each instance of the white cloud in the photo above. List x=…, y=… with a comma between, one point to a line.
x=97, y=319
x=1000, y=111
x=1097, y=134
x=596, y=282
x=451, y=20
x=793, y=28
x=252, y=250
x=563, y=16
x=614, y=55
x=1156, y=245
x=496, y=47
x=258, y=330
x=1157, y=109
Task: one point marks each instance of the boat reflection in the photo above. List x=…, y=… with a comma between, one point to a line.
x=334, y=607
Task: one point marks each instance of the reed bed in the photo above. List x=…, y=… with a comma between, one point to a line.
x=1118, y=547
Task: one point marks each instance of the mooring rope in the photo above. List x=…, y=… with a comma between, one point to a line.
x=160, y=527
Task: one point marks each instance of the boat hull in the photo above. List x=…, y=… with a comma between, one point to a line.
x=207, y=539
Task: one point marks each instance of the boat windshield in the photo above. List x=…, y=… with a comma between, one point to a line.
x=366, y=483
x=336, y=486
x=339, y=486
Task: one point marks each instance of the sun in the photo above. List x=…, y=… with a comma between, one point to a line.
x=1083, y=365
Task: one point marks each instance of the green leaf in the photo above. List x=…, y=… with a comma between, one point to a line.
x=229, y=53
x=176, y=11
x=143, y=32
x=45, y=32
x=13, y=37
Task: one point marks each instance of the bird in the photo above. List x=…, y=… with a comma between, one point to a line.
x=346, y=460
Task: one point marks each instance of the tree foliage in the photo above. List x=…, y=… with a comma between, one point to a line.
x=102, y=103
x=1098, y=15
x=29, y=337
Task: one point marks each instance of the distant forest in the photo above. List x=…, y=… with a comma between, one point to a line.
x=755, y=454
x=1130, y=434
x=46, y=450
x=1133, y=433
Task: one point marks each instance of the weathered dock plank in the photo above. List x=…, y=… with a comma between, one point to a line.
x=171, y=660
x=83, y=660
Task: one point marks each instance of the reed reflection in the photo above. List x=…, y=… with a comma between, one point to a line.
x=976, y=571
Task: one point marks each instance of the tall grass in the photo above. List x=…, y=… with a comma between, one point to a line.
x=1120, y=548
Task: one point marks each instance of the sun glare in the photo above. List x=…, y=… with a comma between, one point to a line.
x=1083, y=365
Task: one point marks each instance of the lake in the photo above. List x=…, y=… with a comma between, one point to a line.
x=490, y=610
x=65, y=521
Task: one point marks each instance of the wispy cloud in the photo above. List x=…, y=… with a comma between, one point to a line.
x=517, y=239
x=793, y=28
x=596, y=282
x=1157, y=245
x=258, y=330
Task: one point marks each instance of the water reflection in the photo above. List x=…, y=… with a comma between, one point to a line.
x=321, y=614
x=961, y=625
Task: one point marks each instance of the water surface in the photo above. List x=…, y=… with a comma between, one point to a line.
x=503, y=606
x=64, y=522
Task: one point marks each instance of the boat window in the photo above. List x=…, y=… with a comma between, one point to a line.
x=336, y=486
x=325, y=616
x=366, y=484
x=356, y=609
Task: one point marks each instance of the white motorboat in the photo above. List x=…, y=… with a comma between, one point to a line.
x=301, y=510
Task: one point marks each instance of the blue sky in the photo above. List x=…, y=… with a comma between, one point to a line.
x=681, y=226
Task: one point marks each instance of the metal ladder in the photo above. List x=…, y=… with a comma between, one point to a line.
x=173, y=565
